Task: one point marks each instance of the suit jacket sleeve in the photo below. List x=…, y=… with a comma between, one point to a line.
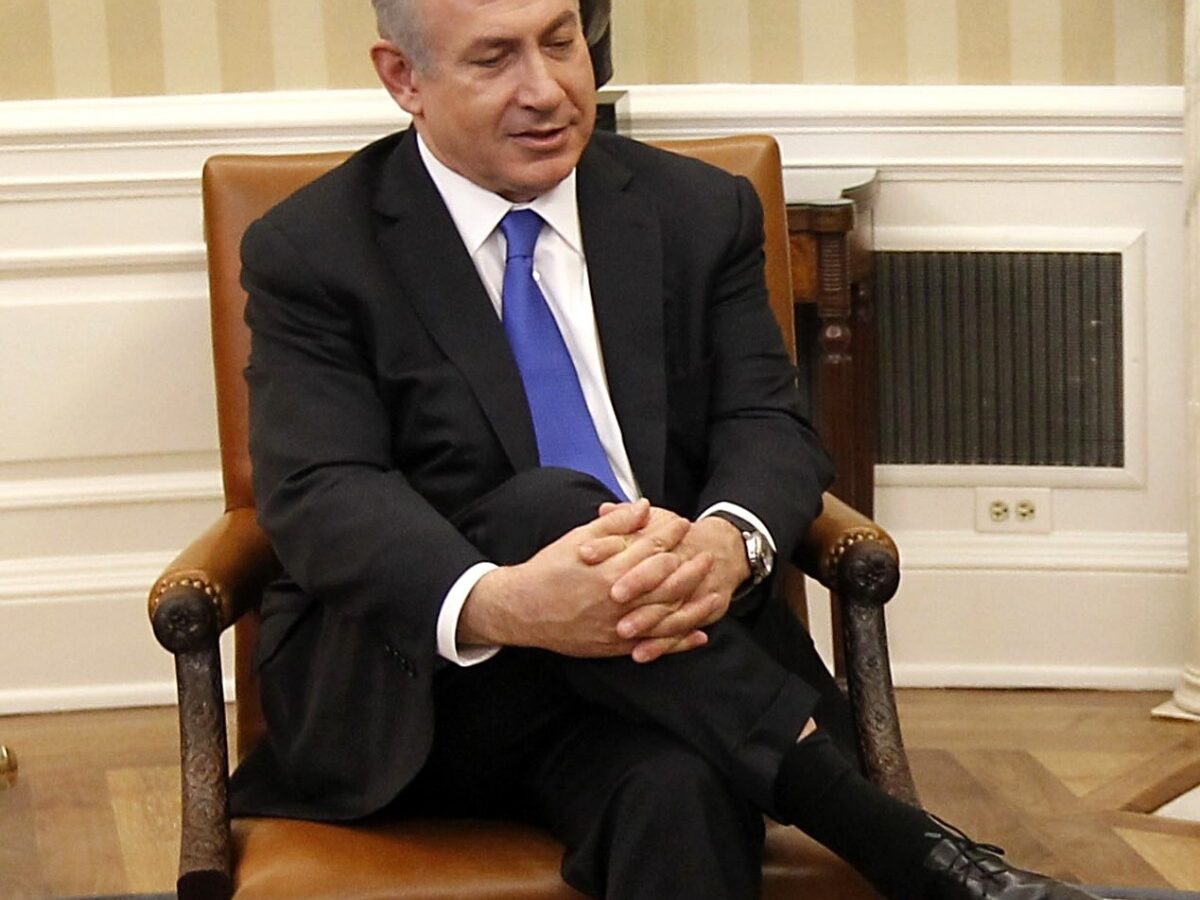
x=762, y=453
x=348, y=528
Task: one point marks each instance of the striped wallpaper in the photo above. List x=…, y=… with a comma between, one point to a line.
x=100, y=48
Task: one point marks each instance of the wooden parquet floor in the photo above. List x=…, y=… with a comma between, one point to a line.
x=1061, y=779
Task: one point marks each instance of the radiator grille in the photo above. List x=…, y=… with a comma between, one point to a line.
x=989, y=358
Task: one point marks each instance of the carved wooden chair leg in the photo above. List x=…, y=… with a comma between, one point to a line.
x=873, y=701
x=867, y=578
x=205, y=860
x=186, y=622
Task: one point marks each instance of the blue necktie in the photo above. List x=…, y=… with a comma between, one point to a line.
x=566, y=434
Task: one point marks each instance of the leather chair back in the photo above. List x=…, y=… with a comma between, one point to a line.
x=236, y=190
x=756, y=157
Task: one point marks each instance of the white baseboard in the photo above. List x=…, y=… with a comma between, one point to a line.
x=77, y=635
x=963, y=675
x=102, y=696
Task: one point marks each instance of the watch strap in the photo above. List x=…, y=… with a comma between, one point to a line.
x=759, y=554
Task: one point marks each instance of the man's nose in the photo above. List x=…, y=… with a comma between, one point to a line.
x=540, y=88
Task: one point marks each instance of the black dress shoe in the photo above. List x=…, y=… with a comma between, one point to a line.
x=957, y=868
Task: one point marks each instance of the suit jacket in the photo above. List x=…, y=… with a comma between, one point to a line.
x=384, y=398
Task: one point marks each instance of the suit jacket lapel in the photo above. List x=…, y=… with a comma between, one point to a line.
x=438, y=276
x=623, y=246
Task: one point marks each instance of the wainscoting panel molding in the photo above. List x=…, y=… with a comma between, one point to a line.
x=85, y=617
x=108, y=490
x=108, y=457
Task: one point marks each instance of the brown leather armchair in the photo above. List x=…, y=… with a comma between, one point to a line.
x=217, y=581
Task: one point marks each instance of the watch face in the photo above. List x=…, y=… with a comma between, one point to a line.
x=768, y=555
x=760, y=555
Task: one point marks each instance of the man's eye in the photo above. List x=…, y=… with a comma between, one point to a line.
x=561, y=45
x=489, y=62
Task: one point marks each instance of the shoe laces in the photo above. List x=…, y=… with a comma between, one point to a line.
x=969, y=847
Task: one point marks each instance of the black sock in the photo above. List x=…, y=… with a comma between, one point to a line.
x=820, y=792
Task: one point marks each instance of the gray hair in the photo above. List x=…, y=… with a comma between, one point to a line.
x=399, y=21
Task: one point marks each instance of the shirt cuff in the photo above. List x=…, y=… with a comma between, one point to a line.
x=447, y=620
x=742, y=513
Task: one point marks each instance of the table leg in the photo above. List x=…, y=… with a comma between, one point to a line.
x=8, y=768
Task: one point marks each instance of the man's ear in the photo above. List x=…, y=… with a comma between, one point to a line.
x=398, y=75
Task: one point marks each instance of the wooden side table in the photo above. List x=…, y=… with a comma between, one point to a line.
x=611, y=110
x=8, y=768
x=832, y=238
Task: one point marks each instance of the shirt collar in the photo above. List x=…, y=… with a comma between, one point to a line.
x=476, y=211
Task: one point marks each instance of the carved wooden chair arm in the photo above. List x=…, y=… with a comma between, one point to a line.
x=202, y=592
x=222, y=572
x=850, y=554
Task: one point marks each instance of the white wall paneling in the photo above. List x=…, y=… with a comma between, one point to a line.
x=107, y=435
x=84, y=639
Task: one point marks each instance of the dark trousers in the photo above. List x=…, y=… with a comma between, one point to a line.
x=655, y=776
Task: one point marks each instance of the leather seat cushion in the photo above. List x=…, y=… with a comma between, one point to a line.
x=436, y=859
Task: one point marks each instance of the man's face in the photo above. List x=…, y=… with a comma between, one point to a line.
x=509, y=99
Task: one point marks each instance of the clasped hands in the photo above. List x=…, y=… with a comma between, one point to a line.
x=637, y=580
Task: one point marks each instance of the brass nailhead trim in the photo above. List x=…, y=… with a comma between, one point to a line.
x=856, y=536
x=213, y=592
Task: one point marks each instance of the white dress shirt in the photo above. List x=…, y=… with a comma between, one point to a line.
x=560, y=270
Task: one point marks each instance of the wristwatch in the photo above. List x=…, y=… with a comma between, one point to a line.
x=759, y=554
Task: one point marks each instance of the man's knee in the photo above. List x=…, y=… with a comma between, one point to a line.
x=530, y=510
x=576, y=493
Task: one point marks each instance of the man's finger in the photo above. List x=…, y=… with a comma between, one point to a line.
x=681, y=591
x=665, y=531
x=625, y=518
x=681, y=597
x=648, y=582
x=671, y=620
x=601, y=549
x=649, y=540
x=650, y=650
x=644, y=620
x=698, y=613
x=648, y=570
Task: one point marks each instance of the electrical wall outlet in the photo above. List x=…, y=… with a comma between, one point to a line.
x=1013, y=510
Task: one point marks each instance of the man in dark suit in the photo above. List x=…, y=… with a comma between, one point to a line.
x=525, y=442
